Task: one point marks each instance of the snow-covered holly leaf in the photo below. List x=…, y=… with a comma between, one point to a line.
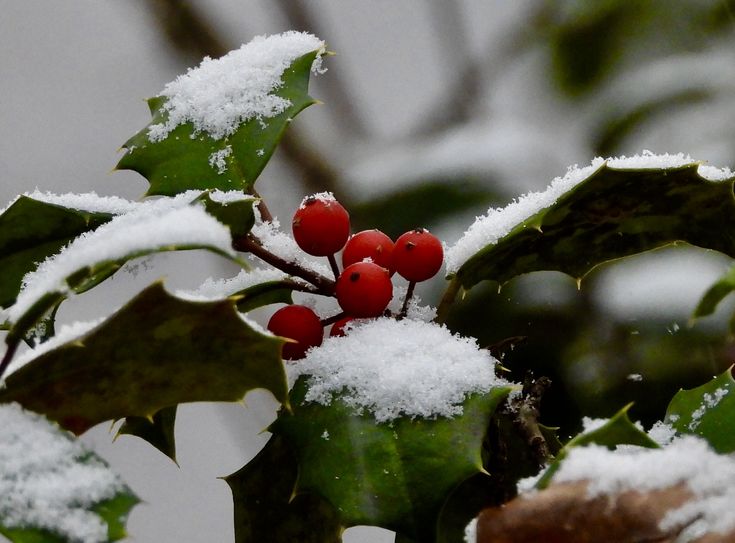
x=218, y=125
x=157, y=430
x=267, y=510
x=707, y=411
x=53, y=490
x=238, y=215
x=618, y=430
x=88, y=260
x=395, y=475
x=156, y=351
x=30, y=231
x=609, y=210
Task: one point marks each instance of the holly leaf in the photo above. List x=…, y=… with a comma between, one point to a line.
x=619, y=430
x=188, y=160
x=35, y=452
x=611, y=214
x=707, y=411
x=32, y=230
x=462, y=505
x=396, y=476
x=157, y=430
x=155, y=352
x=237, y=215
x=715, y=294
x=267, y=510
x=270, y=292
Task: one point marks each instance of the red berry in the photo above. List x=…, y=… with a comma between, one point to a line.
x=372, y=244
x=338, y=328
x=364, y=289
x=418, y=255
x=299, y=323
x=321, y=225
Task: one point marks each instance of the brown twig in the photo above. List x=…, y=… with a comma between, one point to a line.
x=407, y=300
x=250, y=244
x=7, y=357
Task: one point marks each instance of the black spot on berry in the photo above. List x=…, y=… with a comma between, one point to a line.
x=354, y=276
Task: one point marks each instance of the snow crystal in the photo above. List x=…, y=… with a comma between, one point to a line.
x=470, y=532
x=152, y=225
x=635, y=377
x=321, y=196
x=397, y=368
x=43, y=482
x=217, y=159
x=687, y=460
x=228, y=197
x=217, y=289
x=498, y=222
x=220, y=94
x=415, y=311
x=662, y=433
x=708, y=402
x=66, y=333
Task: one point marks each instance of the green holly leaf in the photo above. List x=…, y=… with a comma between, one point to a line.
x=237, y=215
x=611, y=214
x=707, y=411
x=267, y=510
x=33, y=452
x=270, y=292
x=396, y=476
x=619, y=430
x=187, y=160
x=715, y=294
x=157, y=430
x=155, y=352
x=30, y=231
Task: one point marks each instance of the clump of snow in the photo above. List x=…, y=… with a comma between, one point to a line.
x=498, y=222
x=217, y=289
x=688, y=460
x=394, y=368
x=279, y=243
x=662, y=433
x=708, y=402
x=470, y=532
x=66, y=333
x=229, y=196
x=220, y=94
x=88, y=201
x=415, y=310
x=326, y=197
x=217, y=159
x=151, y=226
x=49, y=481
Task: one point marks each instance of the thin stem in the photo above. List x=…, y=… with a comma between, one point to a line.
x=7, y=357
x=265, y=213
x=334, y=266
x=250, y=244
x=447, y=300
x=407, y=299
x=333, y=318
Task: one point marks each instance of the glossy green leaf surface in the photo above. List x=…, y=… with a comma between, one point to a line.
x=238, y=215
x=715, y=294
x=267, y=510
x=707, y=411
x=157, y=430
x=184, y=160
x=612, y=214
x=30, y=231
x=270, y=292
x=155, y=352
x=397, y=475
x=619, y=430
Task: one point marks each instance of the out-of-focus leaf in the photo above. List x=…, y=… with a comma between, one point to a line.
x=156, y=351
x=715, y=294
x=157, y=430
x=462, y=505
x=619, y=430
x=612, y=214
x=707, y=411
x=270, y=292
x=422, y=205
x=267, y=510
x=185, y=160
x=30, y=231
x=396, y=476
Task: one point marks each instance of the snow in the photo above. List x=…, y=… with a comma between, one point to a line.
x=498, y=222
x=88, y=201
x=394, y=368
x=470, y=532
x=228, y=197
x=217, y=159
x=48, y=480
x=217, y=289
x=326, y=197
x=220, y=94
x=152, y=226
x=687, y=460
x=708, y=402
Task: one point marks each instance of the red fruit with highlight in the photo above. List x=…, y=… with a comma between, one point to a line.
x=418, y=255
x=321, y=225
x=372, y=244
x=299, y=323
x=364, y=289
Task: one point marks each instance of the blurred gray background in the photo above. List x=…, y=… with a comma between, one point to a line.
x=440, y=108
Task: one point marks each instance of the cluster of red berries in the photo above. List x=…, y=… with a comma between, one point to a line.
x=321, y=227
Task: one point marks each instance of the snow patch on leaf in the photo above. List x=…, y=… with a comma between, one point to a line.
x=396, y=368
x=49, y=481
x=217, y=289
x=220, y=94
